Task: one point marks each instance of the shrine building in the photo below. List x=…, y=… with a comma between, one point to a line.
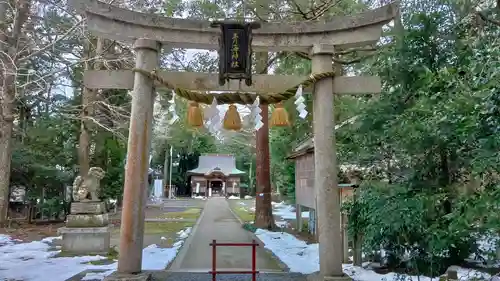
x=216, y=175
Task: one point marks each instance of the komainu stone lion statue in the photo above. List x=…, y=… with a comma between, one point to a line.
x=88, y=185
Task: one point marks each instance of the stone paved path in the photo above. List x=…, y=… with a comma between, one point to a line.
x=218, y=222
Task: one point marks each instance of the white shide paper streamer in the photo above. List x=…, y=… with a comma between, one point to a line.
x=256, y=114
x=212, y=115
x=299, y=103
x=171, y=109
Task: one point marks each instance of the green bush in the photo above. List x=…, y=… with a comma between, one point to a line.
x=418, y=229
x=250, y=227
x=53, y=208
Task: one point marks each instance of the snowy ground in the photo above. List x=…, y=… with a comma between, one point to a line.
x=232, y=197
x=303, y=258
x=285, y=211
x=37, y=261
x=282, y=212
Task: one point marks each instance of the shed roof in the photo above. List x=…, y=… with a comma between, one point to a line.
x=307, y=146
x=223, y=163
x=304, y=147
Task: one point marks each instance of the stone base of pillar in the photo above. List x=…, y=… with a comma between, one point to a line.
x=143, y=276
x=86, y=230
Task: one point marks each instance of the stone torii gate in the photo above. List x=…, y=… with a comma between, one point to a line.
x=148, y=33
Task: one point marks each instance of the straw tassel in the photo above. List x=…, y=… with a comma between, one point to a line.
x=194, y=115
x=232, y=120
x=279, y=117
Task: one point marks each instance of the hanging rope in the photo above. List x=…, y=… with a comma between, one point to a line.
x=238, y=97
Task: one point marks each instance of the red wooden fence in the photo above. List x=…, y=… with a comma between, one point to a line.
x=214, y=271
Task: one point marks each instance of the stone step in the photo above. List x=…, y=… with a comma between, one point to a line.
x=199, y=276
x=165, y=275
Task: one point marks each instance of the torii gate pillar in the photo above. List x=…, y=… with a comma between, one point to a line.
x=325, y=172
x=136, y=170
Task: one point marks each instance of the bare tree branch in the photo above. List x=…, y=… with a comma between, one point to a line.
x=51, y=45
x=487, y=19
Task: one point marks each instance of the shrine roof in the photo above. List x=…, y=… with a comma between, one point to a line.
x=222, y=163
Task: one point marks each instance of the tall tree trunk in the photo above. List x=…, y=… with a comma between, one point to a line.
x=8, y=53
x=263, y=207
x=6, y=128
x=87, y=99
x=89, y=96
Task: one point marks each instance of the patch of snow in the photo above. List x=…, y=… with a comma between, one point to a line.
x=303, y=258
x=285, y=211
x=296, y=254
x=178, y=243
x=281, y=224
x=183, y=234
x=97, y=275
x=15, y=258
x=51, y=239
x=156, y=258
x=37, y=256
x=232, y=197
x=488, y=243
x=488, y=251
x=199, y=197
x=153, y=257
x=248, y=197
x=4, y=240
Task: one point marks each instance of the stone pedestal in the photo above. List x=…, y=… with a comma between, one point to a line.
x=90, y=207
x=86, y=230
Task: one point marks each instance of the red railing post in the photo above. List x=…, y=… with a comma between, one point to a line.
x=214, y=271
x=214, y=260
x=254, y=260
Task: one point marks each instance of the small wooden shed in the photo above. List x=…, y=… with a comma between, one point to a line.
x=305, y=198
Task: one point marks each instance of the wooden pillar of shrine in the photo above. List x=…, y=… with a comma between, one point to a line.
x=325, y=171
x=136, y=170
